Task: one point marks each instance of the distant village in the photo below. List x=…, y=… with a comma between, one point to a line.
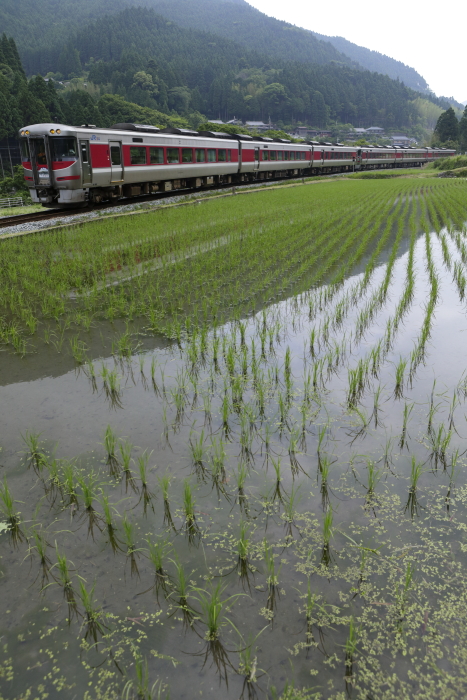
x=373, y=133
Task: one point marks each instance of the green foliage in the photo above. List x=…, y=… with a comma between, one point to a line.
x=447, y=127
x=15, y=186
x=451, y=163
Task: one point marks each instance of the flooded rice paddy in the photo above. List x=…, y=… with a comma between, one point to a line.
x=233, y=450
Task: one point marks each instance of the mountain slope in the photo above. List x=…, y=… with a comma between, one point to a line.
x=375, y=61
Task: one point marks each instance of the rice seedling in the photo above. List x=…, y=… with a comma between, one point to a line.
x=412, y=505
x=64, y=580
x=290, y=508
x=248, y=666
x=126, y=449
x=78, y=350
x=108, y=519
x=400, y=369
x=34, y=445
x=181, y=590
x=128, y=532
x=439, y=443
x=164, y=483
x=68, y=485
x=350, y=650
x=11, y=515
x=93, y=615
x=408, y=408
x=217, y=463
x=157, y=552
x=139, y=688
x=89, y=491
x=110, y=444
x=111, y=382
x=328, y=520
x=190, y=526
x=146, y=495
x=272, y=578
x=40, y=546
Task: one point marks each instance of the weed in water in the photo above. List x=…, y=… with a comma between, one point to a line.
x=128, y=531
x=139, y=688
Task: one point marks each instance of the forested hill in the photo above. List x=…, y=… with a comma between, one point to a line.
x=244, y=24
x=40, y=25
x=155, y=63
x=375, y=61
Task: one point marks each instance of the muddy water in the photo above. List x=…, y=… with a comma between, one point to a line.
x=47, y=653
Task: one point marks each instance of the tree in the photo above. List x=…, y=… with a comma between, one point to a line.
x=463, y=130
x=447, y=126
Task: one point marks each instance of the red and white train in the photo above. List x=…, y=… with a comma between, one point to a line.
x=66, y=165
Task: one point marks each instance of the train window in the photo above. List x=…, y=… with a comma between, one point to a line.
x=303, y=155
x=63, y=148
x=115, y=155
x=173, y=155
x=137, y=155
x=187, y=155
x=280, y=155
x=229, y=155
x=211, y=155
x=24, y=150
x=156, y=155
x=200, y=155
x=84, y=152
x=221, y=155
x=265, y=155
x=272, y=155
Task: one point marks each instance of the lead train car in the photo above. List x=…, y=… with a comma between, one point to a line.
x=65, y=165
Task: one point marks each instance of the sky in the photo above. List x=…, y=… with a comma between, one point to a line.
x=402, y=29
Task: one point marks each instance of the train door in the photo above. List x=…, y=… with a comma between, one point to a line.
x=85, y=162
x=256, y=166
x=40, y=159
x=116, y=161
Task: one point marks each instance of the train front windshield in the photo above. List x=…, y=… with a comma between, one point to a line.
x=63, y=148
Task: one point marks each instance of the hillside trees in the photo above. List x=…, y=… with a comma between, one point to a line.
x=447, y=127
x=463, y=131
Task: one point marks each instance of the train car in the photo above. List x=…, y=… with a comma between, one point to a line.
x=66, y=165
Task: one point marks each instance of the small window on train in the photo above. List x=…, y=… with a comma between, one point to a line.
x=24, y=150
x=115, y=156
x=265, y=155
x=156, y=155
x=229, y=155
x=173, y=155
x=200, y=155
x=137, y=155
x=280, y=155
x=211, y=155
x=272, y=155
x=187, y=155
x=63, y=148
x=303, y=155
x=221, y=155
x=297, y=155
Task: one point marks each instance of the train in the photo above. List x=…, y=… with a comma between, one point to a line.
x=75, y=166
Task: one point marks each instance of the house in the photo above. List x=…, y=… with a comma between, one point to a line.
x=259, y=126
x=235, y=122
x=216, y=121
x=375, y=130
x=402, y=139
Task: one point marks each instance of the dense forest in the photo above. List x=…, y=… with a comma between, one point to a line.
x=160, y=65
x=375, y=61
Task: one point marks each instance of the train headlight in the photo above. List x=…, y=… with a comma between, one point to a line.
x=27, y=133
x=52, y=131
x=58, y=131
x=22, y=133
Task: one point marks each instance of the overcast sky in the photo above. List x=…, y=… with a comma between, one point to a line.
x=407, y=30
